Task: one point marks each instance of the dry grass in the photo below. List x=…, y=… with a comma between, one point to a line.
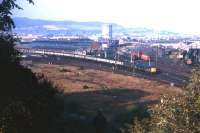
x=73, y=79
x=94, y=89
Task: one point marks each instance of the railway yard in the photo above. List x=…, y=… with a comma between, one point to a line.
x=90, y=82
x=172, y=72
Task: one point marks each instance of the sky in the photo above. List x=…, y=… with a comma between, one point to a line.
x=174, y=15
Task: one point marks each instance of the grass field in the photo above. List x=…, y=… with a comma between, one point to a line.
x=88, y=90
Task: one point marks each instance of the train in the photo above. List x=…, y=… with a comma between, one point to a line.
x=142, y=62
x=139, y=65
x=145, y=67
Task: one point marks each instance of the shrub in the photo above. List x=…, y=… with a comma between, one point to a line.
x=175, y=114
x=86, y=87
x=23, y=91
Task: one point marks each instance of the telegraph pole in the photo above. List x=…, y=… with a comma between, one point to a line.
x=156, y=56
x=157, y=52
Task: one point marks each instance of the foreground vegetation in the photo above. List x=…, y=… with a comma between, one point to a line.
x=174, y=114
x=29, y=103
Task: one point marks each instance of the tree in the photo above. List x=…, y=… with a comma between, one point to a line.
x=175, y=114
x=29, y=103
x=6, y=22
x=8, y=53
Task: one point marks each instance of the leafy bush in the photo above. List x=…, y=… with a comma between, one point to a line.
x=175, y=114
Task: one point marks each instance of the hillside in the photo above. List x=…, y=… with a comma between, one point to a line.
x=47, y=27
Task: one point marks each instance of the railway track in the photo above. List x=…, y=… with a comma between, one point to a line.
x=165, y=77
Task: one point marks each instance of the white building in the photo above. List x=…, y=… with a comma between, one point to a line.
x=105, y=31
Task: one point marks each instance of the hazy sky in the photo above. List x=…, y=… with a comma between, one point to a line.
x=175, y=15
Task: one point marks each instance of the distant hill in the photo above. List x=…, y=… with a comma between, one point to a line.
x=26, y=22
x=38, y=26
